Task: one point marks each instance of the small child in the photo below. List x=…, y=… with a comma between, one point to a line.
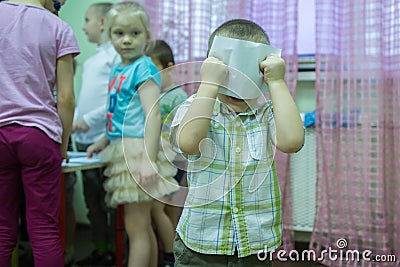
x=233, y=208
x=172, y=96
x=137, y=169
x=34, y=131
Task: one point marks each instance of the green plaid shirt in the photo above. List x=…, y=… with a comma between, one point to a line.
x=234, y=200
x=170, y=100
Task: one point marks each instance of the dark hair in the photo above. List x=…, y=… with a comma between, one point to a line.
x=160, y=50
x=240, y=29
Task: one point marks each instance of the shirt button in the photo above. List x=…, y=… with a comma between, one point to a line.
x=238, y=123
x=235, y=210
x=238, y=150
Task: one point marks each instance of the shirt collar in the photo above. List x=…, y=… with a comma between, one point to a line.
x=104, y=46
x=257, y=109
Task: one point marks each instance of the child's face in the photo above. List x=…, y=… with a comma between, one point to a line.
x=129, y=37
x=236, y=104
x=93, y=25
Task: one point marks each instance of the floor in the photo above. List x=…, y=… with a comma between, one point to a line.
x=83, y=247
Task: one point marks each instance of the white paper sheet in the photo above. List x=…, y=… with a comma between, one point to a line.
x=248, y=83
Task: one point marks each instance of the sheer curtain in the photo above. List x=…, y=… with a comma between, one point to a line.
x=358, y=139
x=186, y=26
x=279, y=19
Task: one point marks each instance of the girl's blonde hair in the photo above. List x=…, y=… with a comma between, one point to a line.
x=128, y=7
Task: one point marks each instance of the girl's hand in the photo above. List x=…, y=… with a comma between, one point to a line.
x=64, y=155
x=213, y=71
x=273, y=68
x=94, y=148
x=98, y=146
x=148, y=172
x=91, y=150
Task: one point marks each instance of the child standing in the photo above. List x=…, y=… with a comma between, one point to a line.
x=172, y=96
x=137, y=169
x=34, y=131
x=233, y=207
x=88, y=126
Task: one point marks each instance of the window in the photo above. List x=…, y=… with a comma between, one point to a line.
x=306, y=28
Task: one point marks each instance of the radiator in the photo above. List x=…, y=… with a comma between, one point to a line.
x=303, y=175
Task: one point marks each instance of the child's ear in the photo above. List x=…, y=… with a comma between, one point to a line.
x=102, y=23
x=170, y=64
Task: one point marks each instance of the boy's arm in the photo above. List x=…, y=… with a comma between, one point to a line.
x=65, y=98
x=196, y=122
x=98, y=115
x=90, y=119
x=289, y=126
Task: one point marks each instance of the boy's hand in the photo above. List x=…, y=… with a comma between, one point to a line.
x=273, y=68
x=80, y=126
x=213, y=71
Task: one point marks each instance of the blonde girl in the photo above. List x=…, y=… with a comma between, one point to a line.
x=137, y=169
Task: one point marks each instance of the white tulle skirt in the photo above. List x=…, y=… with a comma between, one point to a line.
x=123, y=160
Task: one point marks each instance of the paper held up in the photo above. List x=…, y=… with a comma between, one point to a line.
x=245, y=80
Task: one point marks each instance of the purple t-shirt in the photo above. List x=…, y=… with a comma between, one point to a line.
x=31, y=41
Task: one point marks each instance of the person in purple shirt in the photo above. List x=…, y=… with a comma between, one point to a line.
x=36, y=53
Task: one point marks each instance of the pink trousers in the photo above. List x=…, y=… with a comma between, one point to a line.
x=29, y=158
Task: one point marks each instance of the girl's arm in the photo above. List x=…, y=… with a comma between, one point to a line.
x=196, y=122
x=289, y=126
x=149, y=93
x=65, y=99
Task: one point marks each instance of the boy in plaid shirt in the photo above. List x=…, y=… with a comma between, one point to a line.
x=233, y=207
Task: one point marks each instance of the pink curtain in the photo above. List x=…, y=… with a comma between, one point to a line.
x=358, y=137
x=186, y=26
x=279, y=19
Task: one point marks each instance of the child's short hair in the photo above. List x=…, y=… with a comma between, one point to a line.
x=128, y=7
x=102, y=8
x=160, y=50
x=240, y=29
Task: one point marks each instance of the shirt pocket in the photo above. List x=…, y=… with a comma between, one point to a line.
x=256, y=139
